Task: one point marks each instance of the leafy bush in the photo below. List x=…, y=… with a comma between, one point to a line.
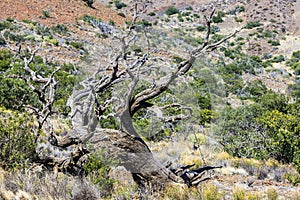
x=4, y=25
x=14, y=36
x=293, y=178
x=238, y=19
x=278, y=59
x=76, y=45
x=144, y=23
x=60, y=28
x=253, y=24
x=201, y=28
x=97, y=168
x=90, y=19
x=171, y=11
x=295, y=90
x=274, y=42
x=45, y=14
x=17, y=139
x=42, y=30
x=51, y=40
x=15, y=93
x=218, y=18
x=294, y=62
x=214, y=29
x=5, y=59
x=151, y=14
x=120, y=5
x=266, y=129
x=253, y=90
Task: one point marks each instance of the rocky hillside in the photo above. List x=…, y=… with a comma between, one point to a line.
x=260, y=56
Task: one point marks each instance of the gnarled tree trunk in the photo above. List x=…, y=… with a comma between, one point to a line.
x=67, y=152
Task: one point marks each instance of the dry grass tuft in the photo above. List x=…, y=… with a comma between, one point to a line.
x=43, y=185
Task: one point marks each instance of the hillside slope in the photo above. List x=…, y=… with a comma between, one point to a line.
x=67, y=38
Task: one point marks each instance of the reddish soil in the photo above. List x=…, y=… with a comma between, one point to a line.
x=60, y=11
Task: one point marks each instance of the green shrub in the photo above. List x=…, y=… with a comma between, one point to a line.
x=295, y=89
x=180, y=18
x=253, y=90
x=14, y=36
x=5, y=59
x=45, y=14
x=238, y=19
x=293, y=178
x=51, y=40
x=201, y=28
x=266, y=129
x=17, y=139
x=218, y=18
x=2, y=41
x=112, y=23
x=274, y=42
x=97, y=168
x=253, y=24
x=194, y=41
x=15, y=93
x=88, y=19
x=278, y=59
x=43, y=30
x=214, y=29
x=60, y=28
x=171, y=11
x=76, y=45
x=151, y=14
x=144, y=23
x=119, y=5
x=4, y=25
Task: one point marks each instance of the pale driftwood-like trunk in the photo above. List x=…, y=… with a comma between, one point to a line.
x=67, y=152
x=125, y=143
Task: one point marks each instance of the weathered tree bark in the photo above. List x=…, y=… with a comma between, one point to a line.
x=68, y=152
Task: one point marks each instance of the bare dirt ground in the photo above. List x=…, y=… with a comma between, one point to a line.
x=60, y=11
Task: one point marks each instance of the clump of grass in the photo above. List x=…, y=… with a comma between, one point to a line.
x=42, y=185
x=175, y=192
x=60, y=28
x=239, y=193
x=272, y=193
x=76, y=45
x=253, y=196
x=211, y=192
x=45, y=14
x=51, y=40
x=293, y=178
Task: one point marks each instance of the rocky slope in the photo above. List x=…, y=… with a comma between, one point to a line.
x=281, y=19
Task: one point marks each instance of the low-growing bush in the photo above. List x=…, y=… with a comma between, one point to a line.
x=262, y=130
x=60, y=28
x=119, y=5
x=76, y=45
x=171, y=11
x=17, y=139
x=97, y=167
x=253, y=24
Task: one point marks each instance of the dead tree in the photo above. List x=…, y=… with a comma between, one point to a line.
x=131, y=150
x=87, y=108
